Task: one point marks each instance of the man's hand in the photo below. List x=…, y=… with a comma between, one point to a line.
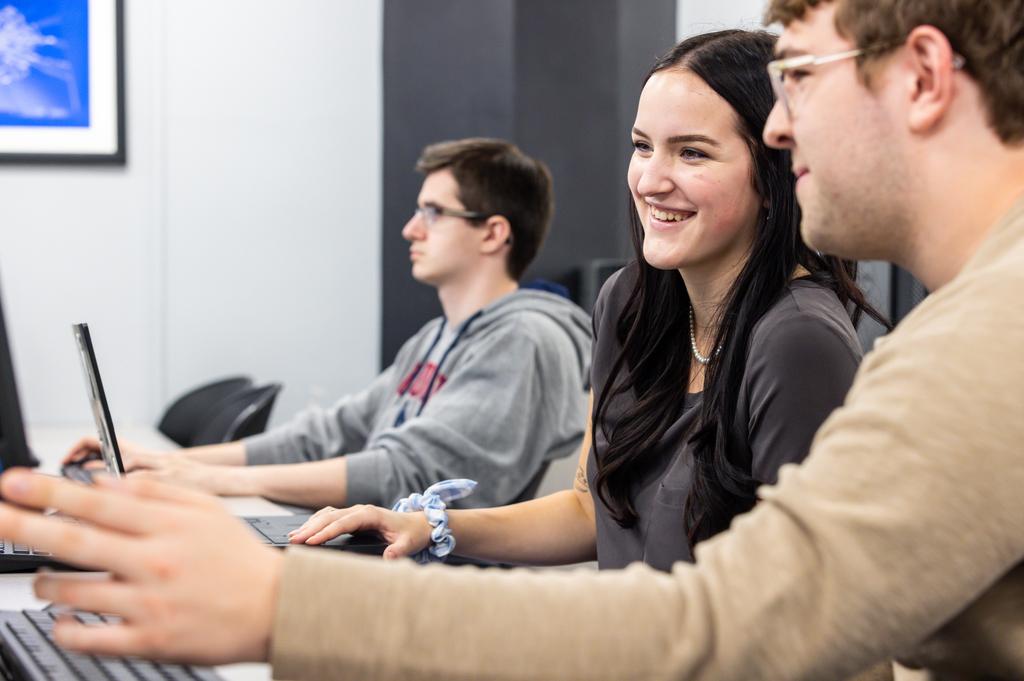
x=132, y=455
x=171, y=467
x=179, y=470
x=189, y=580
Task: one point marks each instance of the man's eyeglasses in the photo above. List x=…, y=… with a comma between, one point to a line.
x=431, y=212
x=786, y=74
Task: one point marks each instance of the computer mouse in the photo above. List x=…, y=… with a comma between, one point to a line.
x=81, y=470
x=91, y=456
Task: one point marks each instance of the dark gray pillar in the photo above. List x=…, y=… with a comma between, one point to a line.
x=448, y=66
x=558, y=78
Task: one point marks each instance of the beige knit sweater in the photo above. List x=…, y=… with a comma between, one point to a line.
x=906, y=520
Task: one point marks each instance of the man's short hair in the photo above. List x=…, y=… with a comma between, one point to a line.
x=496, y=178
x=989, y=34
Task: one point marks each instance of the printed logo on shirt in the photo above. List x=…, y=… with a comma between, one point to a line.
x=420, y=380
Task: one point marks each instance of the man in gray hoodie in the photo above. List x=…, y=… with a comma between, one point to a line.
x=491, y=391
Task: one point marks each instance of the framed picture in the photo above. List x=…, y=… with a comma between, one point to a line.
x=62, y=81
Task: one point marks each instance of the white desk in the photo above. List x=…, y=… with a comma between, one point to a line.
x=49, y=444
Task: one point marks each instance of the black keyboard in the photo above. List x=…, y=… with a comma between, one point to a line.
x=11, y=548
x=29, y=654
x=25, y=558
x=22, y=557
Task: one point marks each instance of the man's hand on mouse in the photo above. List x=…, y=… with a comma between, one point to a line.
x=169, y=467
x=133, y=456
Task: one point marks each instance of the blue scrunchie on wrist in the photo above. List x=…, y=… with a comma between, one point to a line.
x=433, y=502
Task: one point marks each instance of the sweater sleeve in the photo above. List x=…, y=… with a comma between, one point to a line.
x=513, y=402
x=316, y=433
x=908, y=507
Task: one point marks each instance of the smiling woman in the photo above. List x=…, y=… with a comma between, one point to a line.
x=686, y=428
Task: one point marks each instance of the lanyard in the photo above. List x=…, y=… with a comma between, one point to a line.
x=400, y=417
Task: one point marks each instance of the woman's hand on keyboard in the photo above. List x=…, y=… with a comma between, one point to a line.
x=405, y=533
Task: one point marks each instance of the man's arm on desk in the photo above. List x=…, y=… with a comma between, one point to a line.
x=135, y=456
x=313, y=484
x=220, y=469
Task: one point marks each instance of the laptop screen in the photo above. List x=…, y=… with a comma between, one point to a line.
x=98, y=401
x=13, y=446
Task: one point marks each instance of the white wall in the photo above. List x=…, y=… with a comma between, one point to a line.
x=243, y=235
x=701, y=16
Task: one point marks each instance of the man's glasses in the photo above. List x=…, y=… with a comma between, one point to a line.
x=786, y=74
x=432, y=212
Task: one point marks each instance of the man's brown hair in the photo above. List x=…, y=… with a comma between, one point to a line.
x=496, y=178
x=989, y=34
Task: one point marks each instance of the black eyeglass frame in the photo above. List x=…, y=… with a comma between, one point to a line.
x=432, y=211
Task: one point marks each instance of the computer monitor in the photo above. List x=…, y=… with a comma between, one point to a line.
x=13, y=445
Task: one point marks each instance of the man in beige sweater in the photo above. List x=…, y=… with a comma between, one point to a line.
x=902, y=534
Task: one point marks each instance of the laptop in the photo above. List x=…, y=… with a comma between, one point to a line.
x=271, y=530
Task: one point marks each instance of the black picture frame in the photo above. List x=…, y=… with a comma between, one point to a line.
x=103, y=139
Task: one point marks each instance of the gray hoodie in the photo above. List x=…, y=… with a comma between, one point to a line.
x=492, y=400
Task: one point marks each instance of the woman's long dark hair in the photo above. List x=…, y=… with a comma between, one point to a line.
x=653, y=328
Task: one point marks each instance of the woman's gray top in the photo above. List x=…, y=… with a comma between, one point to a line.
x=802, y=357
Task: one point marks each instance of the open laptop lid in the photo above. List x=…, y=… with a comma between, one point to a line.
x=98, y=401
x=13, y=446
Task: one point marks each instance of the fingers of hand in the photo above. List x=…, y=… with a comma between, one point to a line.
x=400, y=549
x=316, y=522
x=345, y=521
x=144, y=485
x=80, y=545
x=96, y=506
x=81, y=449
x=86, y=592
x=323, y=511
x=404, y=543
x=335, y=529
x=103, y=639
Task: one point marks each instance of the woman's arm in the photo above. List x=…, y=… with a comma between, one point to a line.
x=556, y=529
x=553, y=530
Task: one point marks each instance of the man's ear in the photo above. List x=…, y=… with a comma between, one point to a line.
x=932, y=77
x=498, y=232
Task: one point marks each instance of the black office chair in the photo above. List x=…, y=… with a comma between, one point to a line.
x=187, y=415
x=240, y=415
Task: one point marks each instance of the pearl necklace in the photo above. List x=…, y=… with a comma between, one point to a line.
x=704, y=360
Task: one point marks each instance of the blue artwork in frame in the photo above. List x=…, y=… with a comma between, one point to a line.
x=61, y=81
x=44, y=63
